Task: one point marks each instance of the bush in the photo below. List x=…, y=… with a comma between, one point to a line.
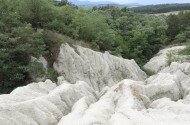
x=169, y=58
x=180, y=38
x=149, y=72
x=53, y=42
x=52, y=75
x=16, y=48
x=36, y=70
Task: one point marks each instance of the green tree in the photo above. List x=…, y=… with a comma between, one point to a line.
x=16, y=48
x=36, y=12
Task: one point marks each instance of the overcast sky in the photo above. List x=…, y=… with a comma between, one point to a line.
x=145, y=1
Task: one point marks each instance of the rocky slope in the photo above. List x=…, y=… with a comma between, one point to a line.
x=101, y=89
x=159, y=62
x=97, y=69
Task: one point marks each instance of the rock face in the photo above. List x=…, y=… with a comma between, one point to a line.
x=125, y=104
x=98, y=69
x=42, y=103
x=161, y=99
x=163, y=85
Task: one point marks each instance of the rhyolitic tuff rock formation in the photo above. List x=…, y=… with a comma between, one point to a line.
x=159, y=62
x=97, y=69
x=101, y=89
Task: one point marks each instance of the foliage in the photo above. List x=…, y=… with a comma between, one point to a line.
x=36, y=69
x=149, y=72
x=178, y=25
x=36, y=12
x=162, y=8
x=52, y=74
x=179, y=29
x=38, y=27
x=169, y=58
x=53, y=42
x=18, y=41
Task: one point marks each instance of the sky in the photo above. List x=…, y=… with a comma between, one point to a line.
x=144, y=2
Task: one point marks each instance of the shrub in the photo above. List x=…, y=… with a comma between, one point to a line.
x=169, y=58
x=16, y=48
x=149, y=72
x=36, y=69
x=53, y=42
x=52, y=75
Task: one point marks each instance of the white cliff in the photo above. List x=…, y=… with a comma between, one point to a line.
x=101, y=89
x=98, y=69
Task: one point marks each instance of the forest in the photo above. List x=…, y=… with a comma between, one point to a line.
x=33, y=28
x=161, y=8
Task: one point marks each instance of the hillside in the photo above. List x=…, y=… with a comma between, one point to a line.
x=161, y=8
x=25, y=39
x=61, y=64
x=101, y=3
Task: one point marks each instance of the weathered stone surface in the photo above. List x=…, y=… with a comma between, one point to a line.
x=99, y=99
x=163, y=85
x=127, y=102
x=98, y=69
x=124, y=104
x=159, y=62
x=41, y=103
x=182, y=73
x=117, y=107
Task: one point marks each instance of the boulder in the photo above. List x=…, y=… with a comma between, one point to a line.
x=163, y=85
x=182, y=73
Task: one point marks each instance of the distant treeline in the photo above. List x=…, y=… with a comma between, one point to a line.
x=162, y=8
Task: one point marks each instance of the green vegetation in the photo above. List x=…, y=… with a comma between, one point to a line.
x=160, y=95
x=38, y=27
x=179, y=29
x=137, y=36
x=169, y=58
x=149, y=72
x=52, y=74
x=162, y=8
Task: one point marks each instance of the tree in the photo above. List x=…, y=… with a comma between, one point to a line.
x=36, y=12
x=173, y=26
x=16, y=48
x=63, y=2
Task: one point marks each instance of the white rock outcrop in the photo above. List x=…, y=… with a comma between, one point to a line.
x=163, y=85
x=124, y=104
x=113, y=91
x=119, y=106
x=78, y=104
x=42, y=103
x=159, y=62
x=98, y=69
x=182, y=73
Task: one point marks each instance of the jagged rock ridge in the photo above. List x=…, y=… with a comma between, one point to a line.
x=97, y=69
x=162, y=99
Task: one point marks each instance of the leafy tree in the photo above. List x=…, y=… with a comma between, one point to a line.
x=36, y=12
x=162, y=8
x=173, y=26
x=63, y=20
x=16, y=48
